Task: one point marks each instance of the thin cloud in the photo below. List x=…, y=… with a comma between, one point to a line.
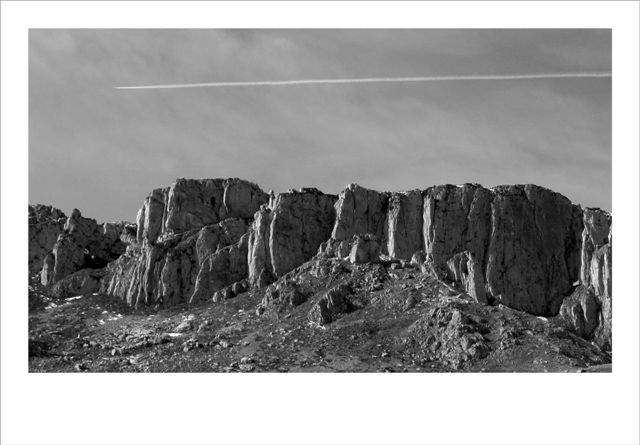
x=368, y=80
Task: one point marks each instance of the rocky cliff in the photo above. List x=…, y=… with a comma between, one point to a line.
x=45, y=224
x=191, y=241
x=522, y=246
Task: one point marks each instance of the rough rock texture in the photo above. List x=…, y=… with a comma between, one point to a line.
x=522, y=246
x=194, y=203
x=581, y=311
x=45, y=224
x=191, y=243
x=82, y=244
x=365, y=249
x=595, y=272
x=288, y=232
x=403, y=229
x=359, y=210
x=183, y=267
x=451, y=336
x=82, y=282
x=456, y=219
x=522, y=243
x=466, y=270
x=526, y=258
x=333, y=303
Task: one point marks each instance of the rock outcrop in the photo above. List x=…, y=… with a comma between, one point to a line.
x=287, y=232
x=522, y=246
x=191, y=243
x=182, y=267
x=82, y=244
x=194, y=203
x=588, y=309
x=45, y=224
x=359, y=211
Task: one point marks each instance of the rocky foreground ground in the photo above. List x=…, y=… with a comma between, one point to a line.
x=327, y=315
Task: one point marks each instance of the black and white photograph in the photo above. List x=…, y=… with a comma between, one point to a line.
x=238, y=213
x=302, y=213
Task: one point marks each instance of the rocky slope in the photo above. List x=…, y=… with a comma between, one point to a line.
x=523, y=247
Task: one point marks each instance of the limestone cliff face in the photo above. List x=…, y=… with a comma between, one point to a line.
x=588, y=309
x=191, y=242
x=191, y=204
x=45, y=224
x=288, y=232
x=522, y=246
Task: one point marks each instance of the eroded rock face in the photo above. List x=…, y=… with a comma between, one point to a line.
x=595, y=271
x=82, y=244
x=184, y=267
x=466, y=270
x=193, y=203
x=403, y=229
x=359, y=210
x=191, y=243
x=288, y=232
x=523, y=246
x=526, y=258
x=45, y=224
x=456, y=219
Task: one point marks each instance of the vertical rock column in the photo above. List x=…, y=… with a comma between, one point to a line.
x=288, y=232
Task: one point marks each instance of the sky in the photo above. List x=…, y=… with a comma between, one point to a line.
x=102, y=150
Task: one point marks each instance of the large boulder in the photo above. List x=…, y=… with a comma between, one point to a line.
x=82, y=282
x=581, y=312
x=365, y=249
x=45, y=224
x=331, y=304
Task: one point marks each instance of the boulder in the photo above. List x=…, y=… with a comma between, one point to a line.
x=333, y=303
x=581, y=312
x=284, y=296
x=365, y=249
x=82, y=282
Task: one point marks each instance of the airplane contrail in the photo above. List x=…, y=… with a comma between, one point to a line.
x=365, y=80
